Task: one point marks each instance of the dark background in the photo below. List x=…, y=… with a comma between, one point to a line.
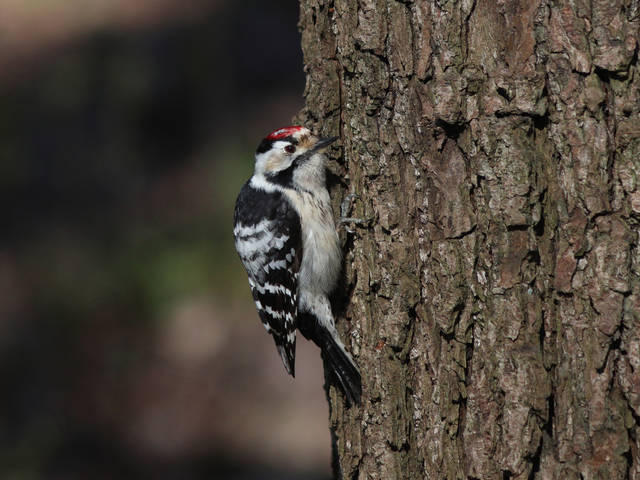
x=129, y=345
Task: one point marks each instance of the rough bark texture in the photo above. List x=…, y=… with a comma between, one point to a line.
x=494, y=296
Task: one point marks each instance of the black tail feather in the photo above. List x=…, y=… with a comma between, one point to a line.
x=342, y=368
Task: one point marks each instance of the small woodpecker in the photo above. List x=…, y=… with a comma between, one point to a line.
x=286, y=238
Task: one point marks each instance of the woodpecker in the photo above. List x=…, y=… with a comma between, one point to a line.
x=287, y=241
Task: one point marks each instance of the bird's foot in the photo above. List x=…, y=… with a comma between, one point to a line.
x=345, y=208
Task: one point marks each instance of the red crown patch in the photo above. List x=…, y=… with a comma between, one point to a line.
x=284, y=132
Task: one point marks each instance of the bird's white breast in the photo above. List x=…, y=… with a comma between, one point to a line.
x=321, y=254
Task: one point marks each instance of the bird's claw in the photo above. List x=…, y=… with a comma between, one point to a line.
x=345, y=208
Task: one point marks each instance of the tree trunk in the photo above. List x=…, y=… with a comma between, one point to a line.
x=494, y=294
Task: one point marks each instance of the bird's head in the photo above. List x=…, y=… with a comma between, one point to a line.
x=286, y=149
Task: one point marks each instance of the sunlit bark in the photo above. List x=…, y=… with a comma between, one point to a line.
x=493, y=298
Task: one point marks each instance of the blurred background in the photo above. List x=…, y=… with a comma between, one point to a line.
x=129, y=344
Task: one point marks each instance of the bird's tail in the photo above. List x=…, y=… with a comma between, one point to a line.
x=341, y=365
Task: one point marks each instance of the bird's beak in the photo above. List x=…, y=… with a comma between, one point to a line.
x=324, y=143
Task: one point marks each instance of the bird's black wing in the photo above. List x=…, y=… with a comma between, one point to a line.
x=268, y=240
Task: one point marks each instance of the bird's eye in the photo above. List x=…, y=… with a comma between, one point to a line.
x=290, y=148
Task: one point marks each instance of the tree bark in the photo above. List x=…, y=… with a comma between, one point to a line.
x=493, y=295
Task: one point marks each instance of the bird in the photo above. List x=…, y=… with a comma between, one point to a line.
x=287, y=240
